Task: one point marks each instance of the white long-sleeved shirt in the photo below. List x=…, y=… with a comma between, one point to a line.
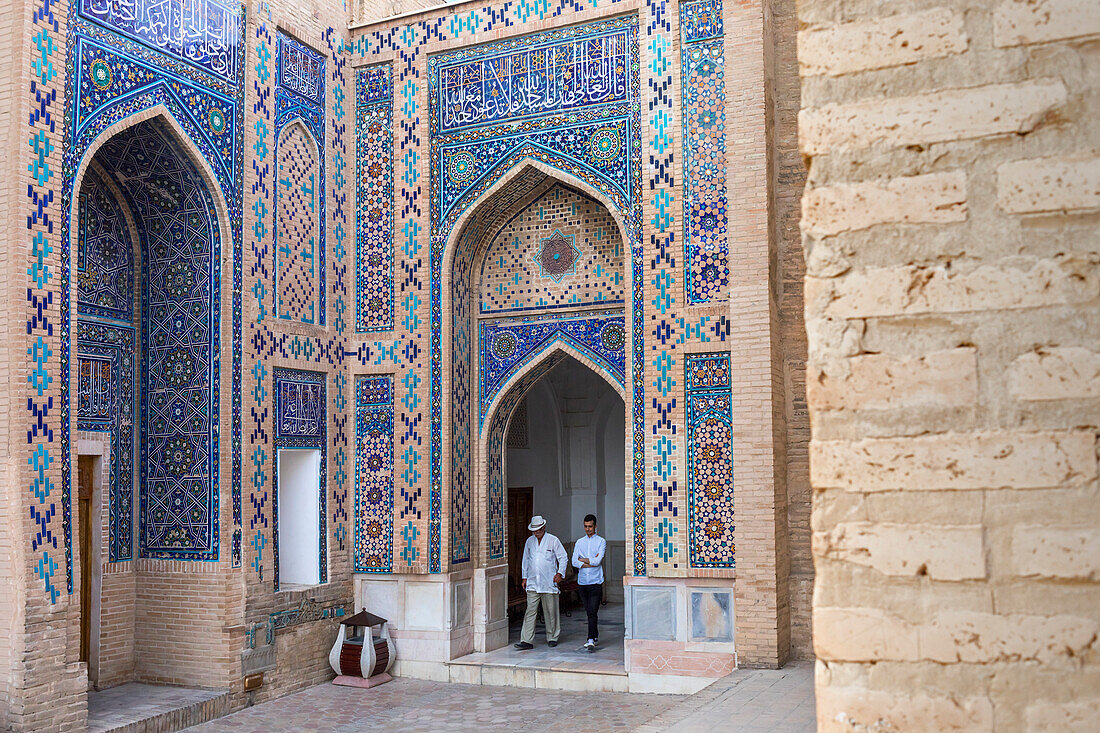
x=593, y=548
x=541, y=561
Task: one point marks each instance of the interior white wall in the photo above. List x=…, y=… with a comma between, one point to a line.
x=613, y=515
x=538, y=465
x=299, y=509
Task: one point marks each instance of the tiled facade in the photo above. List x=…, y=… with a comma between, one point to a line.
x=250, y=227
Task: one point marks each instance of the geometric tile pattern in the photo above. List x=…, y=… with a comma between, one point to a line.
x=656, y=482
x=299, y=183
x=180, y=341
x=586, y=268
x=374, y=474
x=301, y=421
x=710, y=460
x=297, y=225
x=374, y=198
x=105, y=402
x=506, y=346
x=105, y=254
x=706, y=250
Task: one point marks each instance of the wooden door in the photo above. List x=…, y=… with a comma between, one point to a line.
x=520, y=505
x=85, y=466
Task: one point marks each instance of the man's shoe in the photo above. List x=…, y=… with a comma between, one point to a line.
x=553, y=643
x=592, y=643
x=524, y=646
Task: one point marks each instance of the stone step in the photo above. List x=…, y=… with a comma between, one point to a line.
x=141, y=708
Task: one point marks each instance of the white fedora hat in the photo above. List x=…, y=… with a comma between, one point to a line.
x=537, y=522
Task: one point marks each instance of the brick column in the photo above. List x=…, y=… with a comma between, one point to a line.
x=762, y=617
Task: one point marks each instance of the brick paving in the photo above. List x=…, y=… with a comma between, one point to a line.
x=748, y=700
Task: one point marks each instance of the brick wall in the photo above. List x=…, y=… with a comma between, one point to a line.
x=952, y=293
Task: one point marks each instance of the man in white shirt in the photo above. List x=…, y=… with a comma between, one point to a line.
x=544, y=565
x=588, y=554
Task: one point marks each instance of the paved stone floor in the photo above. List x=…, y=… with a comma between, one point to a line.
x=750, y=700
x=569, y=654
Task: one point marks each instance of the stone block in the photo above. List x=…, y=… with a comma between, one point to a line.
x=1019, y=22
x=938, y=198
x=1049, y=184
x=939, y=551
x=942, y=116
x=983, y=638
x=1055, y=373
x=894, y=41
x=956, y=461
x=853, y=708
x=947, y=378
x=1014, y=284
x=1056, y=552
x=1081, y=716
x=859, y=634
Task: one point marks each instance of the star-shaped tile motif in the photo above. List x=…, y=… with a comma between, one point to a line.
x=557, y=255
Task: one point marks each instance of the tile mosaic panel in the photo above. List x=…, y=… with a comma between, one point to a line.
x=462, y=431
x=562, y=250
x=105, y=402
x=105, y=253
x=706, y=249
x=181, y=296
x=374, y=470
x=301, y=421
x=710, y=460
x=299, y=407
x=374, y=199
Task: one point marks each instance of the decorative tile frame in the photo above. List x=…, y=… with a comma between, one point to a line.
x=300, y=420
x=374, y=256
x=598, y=144
x=374, y=468
x=202, y=91
x=706, y=249
x=709, y=398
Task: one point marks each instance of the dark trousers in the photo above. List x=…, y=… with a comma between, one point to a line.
x=591, y=595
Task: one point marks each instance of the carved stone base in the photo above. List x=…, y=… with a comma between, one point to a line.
x=349, y=681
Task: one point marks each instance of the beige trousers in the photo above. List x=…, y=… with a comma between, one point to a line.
x=549, y=614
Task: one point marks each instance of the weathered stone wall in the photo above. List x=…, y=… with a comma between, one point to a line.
x=952, y=292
